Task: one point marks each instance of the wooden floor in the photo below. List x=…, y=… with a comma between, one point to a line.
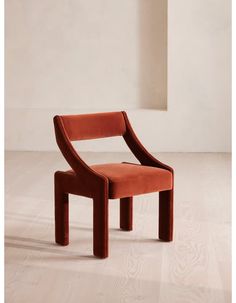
x=195, y=267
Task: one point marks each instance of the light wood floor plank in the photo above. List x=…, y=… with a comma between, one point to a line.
x=195, y=267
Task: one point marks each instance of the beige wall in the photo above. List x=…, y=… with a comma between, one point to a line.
x=87, y=56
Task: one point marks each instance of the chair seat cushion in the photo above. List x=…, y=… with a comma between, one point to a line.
x=128, y=179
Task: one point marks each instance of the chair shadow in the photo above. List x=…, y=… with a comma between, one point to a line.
x=55, y=249
x=48, y=247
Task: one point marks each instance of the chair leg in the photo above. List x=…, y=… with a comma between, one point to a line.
x=61, y=216
x=166, y=215
x=100, y=226
x=126, y=213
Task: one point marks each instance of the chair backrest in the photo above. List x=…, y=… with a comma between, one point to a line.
x=93, y=126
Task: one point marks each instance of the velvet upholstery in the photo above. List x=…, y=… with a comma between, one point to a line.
x=102, y=182
x=127, y=179
x=92, y=126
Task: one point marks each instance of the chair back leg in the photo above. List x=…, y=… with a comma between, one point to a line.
x=126, y=213
x=61, y=216
x=166, y=215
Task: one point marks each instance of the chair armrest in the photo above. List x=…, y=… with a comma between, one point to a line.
x=139, y=151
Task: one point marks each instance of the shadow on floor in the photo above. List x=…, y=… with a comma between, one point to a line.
x=50, y=247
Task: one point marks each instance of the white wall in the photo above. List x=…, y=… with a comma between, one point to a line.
x=55, y=65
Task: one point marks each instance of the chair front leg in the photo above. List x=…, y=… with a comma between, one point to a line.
x=126, y=213
x=61, y=216
x=166, y=215
x=100, y=226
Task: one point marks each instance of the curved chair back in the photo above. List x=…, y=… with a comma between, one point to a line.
x=93, y=126
x=99, y=125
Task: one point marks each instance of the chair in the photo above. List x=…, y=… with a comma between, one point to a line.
x=102, y=182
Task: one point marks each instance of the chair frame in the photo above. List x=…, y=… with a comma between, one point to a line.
x=91, y=184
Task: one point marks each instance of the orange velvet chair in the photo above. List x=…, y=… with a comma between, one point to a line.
x=102, y=182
